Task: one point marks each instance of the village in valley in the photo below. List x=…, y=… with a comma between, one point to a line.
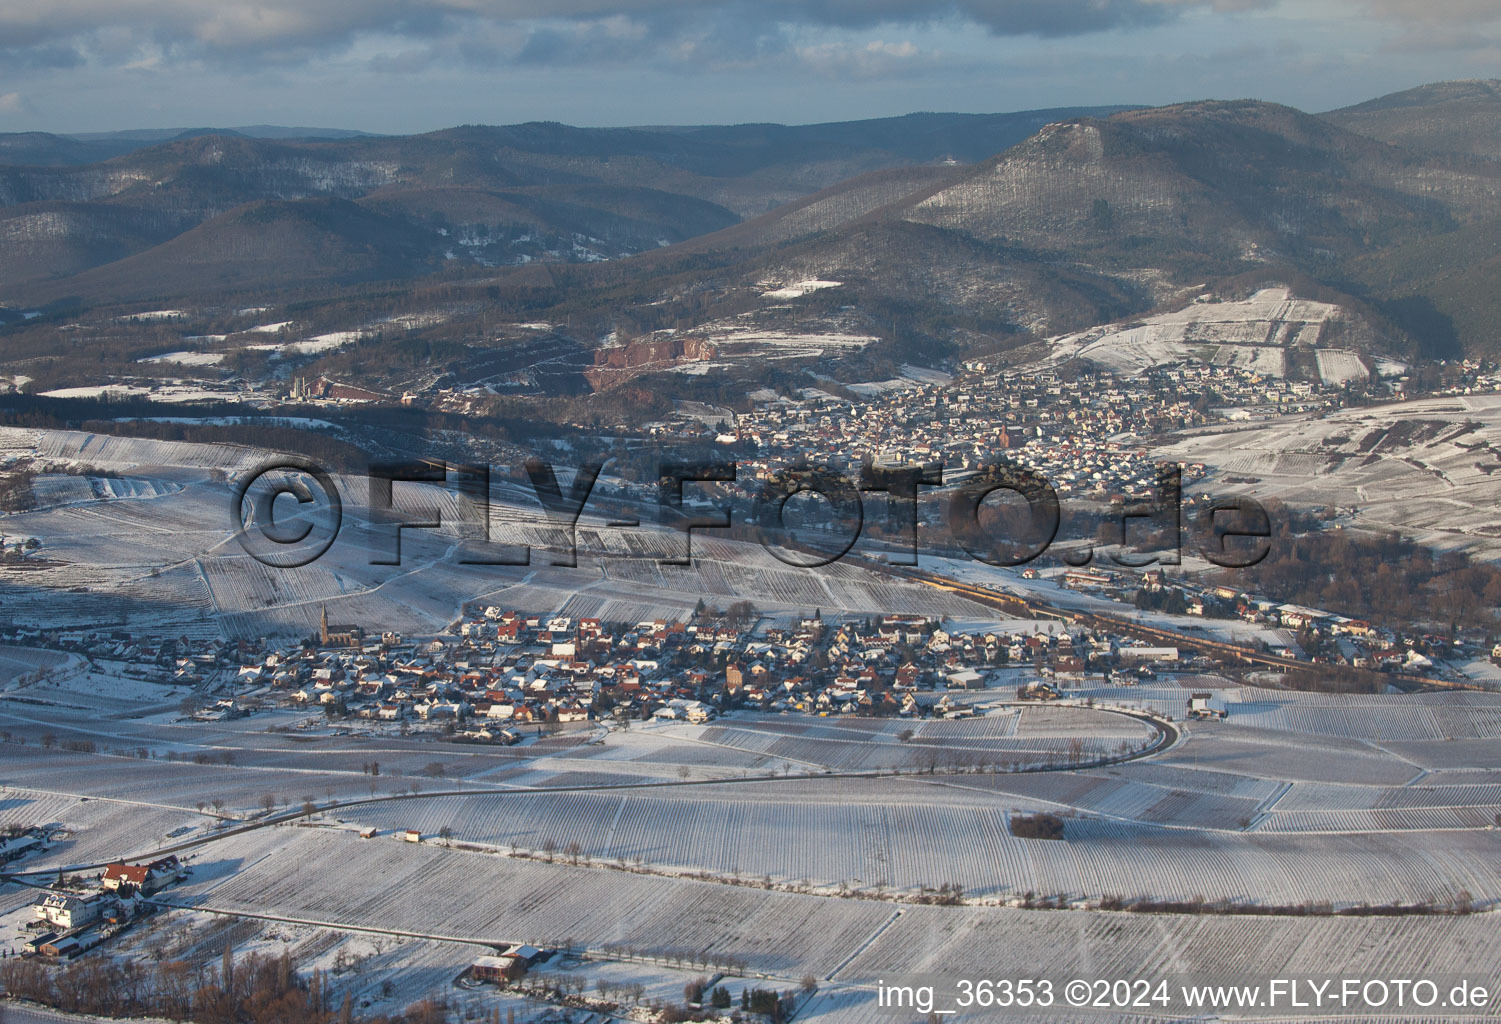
x=203, y=756
x=745, y=573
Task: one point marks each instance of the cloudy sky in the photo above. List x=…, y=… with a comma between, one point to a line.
x=415, y=65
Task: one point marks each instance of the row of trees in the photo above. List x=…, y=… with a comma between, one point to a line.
x=257, y=989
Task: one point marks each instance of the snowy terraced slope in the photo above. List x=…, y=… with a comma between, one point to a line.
x=186, y=358
x=1252, y=333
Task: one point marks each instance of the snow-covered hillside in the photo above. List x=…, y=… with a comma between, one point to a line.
x=1255, y=333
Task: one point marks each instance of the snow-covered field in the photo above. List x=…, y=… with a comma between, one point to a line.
x=1292, y=799
x=187, y=358
x=780, y=344
x=1338, y=789
x=321, y=877
x=161, y=550
x=155, y=314
x=316, y=345
x=1424, y=468
x=164, y=392
x=911, y=377
x=799, y=289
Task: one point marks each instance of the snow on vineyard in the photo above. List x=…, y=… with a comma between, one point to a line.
x=979, y=943
x=324, y=877
x=89, y=830
x=1253, y=333
x=176, y=786
x=1289, y=757
x=335, y=878
x=1384, y=462
x=1341, y=366
x=1433, y=716
x=1026, y=736
x=905, y=836
x=159, y=536
x=1223, y=814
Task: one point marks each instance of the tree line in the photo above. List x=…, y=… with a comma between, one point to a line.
x=258, y=989
x=1382, y=576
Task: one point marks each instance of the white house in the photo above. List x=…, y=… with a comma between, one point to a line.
x=68, y=911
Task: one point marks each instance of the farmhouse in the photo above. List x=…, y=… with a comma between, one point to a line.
x=144, y=878
x=56, y=947
x=125, y=877
x=492, y=968
x=14, y=847
x=505, y=965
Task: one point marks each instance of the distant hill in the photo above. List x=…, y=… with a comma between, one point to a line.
x=1092, y=219
x=926, y=235
x=44, y=149
x=507, y=194
x=1204, y=186
x=147, y=136
x=268, y=245
x=1088, y=221
x=1446, y=117
x=1446, y=285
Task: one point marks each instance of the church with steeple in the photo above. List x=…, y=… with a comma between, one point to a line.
x=338, y=635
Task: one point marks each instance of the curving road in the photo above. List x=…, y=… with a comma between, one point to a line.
x=1167, y=735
